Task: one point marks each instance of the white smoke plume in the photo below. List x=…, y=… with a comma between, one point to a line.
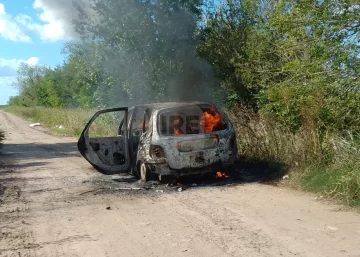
x=167, y=34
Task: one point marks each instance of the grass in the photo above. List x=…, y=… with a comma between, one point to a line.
x=341, y=183
x=72, y=121
x=324, y=163
x=327, y=164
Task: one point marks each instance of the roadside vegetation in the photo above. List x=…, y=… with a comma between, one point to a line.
x=287, y=71
x=68, y=122
x=325, y=163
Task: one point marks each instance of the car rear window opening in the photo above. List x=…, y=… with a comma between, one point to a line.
x=190, y=120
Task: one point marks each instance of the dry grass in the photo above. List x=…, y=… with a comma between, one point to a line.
x=260, y=138
x=325, y=163
x=73, y=121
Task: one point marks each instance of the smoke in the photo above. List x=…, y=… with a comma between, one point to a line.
x=146, y=46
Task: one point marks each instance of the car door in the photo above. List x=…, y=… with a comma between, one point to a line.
x=145, y=137
x=102, y=146
x=136, y=129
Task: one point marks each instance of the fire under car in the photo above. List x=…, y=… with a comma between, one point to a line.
x=161, y=140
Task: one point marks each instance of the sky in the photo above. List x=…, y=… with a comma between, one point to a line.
x=31, y=31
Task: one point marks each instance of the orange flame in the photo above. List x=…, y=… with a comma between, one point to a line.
x=178, y=132
x=220, y=174
x=177, y=129
x=210, y=120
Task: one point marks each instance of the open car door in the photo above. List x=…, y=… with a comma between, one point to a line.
x=101, y=145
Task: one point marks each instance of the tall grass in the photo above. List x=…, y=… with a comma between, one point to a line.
x=326, y=163
x=72, y=121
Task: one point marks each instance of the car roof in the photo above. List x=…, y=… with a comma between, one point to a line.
x=166, y=105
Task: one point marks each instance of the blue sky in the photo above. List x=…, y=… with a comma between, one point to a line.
x=30, y=32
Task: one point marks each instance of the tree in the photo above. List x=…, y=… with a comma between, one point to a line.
x=31, y=91
x=145, y=48
x=296, y=60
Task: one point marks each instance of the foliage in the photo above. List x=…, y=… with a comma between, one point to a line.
x=291, y=59
x=295, y=61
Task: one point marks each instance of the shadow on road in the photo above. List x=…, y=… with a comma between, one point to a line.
x=261, y=171
x=14, y=158
x=14, y=152
x=130, y=179
x=245, y=172
x=9, y=168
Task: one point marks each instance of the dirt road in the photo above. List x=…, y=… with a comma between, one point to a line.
x=53, y=203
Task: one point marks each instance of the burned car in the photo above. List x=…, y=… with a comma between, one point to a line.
x=161, y=139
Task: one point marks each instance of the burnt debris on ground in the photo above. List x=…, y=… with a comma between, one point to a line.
x=245, y=172
x=261, y=171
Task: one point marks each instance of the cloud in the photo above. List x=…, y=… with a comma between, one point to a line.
x=8, y=67
x=58, y=17
x=28, y=23
x=7, y=89
x=10, y=29
x=53, y=23
x=2, y=9
x=52, y=31
x=32, y=61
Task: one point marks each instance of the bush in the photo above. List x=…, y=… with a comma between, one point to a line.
x=319, y=161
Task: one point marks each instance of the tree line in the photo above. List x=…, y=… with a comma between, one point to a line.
x=296, y=61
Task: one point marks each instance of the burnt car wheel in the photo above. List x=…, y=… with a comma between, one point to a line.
x=144, y=172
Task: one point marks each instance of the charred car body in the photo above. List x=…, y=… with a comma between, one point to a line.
x=163, y=139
